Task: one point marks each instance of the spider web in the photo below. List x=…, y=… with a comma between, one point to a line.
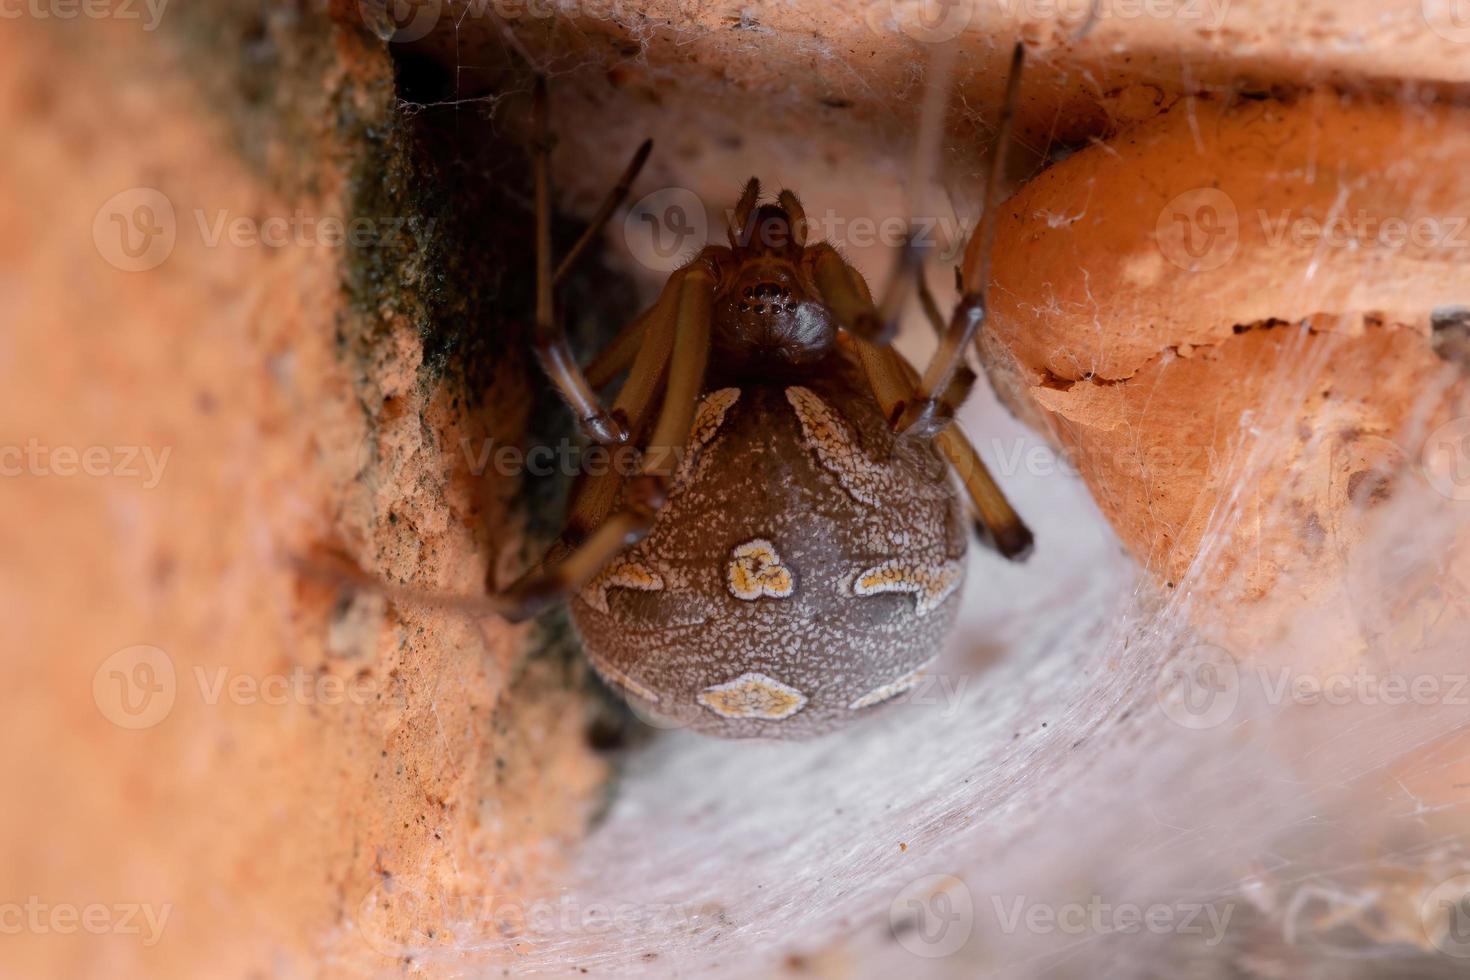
x=1042, y=777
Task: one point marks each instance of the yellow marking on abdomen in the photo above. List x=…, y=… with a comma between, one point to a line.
x=756, y=571
x=620, y=574
x=830, y=439
x=753, y=695
x=707, y=421
x=929, y=584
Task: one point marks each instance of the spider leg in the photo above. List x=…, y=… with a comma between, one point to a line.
x=619, y=353
x=687, y=366
x=929, y=304
x=593, y=497
x=846, y=294
x=923, y=411
x=549, y=337
x=617, y=356
x=669, y=325
x=854, y=307
x=964, y=378
x=611, y=203
x=996, y=521
x=686, y=321
x=909, y=266
x=592, y=537
x=527, y=597
x=925, y=164
x=894, y=380
x=637, y=397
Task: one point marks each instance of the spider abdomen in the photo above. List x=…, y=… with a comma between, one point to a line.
x=806, y=567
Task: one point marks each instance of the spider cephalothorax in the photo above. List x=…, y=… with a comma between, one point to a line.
x=768, y=308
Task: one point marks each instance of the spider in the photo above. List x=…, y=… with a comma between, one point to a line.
x=788, y=553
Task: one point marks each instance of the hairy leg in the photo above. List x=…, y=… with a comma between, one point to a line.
x=549, y=338
x=894, y=381
x=923, y=410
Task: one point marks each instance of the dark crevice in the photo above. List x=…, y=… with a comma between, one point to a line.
x=1271, y=323
x=456, y=178
x=1450, y=334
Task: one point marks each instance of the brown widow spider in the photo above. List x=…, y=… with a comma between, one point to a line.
x=789, y=550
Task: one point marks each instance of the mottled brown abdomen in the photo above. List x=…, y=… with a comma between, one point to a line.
x=806, y=566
